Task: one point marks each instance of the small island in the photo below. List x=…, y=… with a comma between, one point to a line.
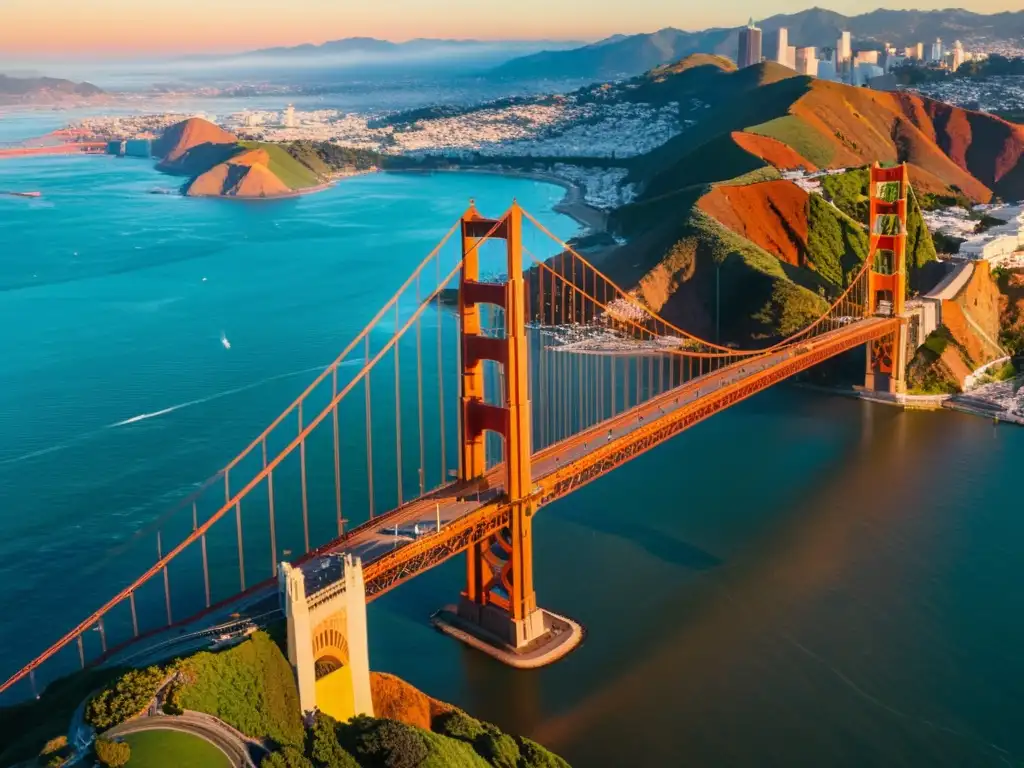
x=219, y=164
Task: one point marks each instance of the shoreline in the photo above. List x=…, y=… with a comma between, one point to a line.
x=571, y=205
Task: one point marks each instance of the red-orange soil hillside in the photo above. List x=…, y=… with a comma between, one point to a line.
x=244, y=175
x=772, y=151
x=863, y=125
x=772, y=214
x=989, y=148
x=183, y=136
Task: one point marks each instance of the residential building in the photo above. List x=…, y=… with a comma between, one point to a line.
x=750, y=46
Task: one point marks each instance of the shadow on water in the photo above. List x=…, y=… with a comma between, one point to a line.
x=658, y=544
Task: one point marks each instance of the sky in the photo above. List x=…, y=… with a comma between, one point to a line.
x=121, y=28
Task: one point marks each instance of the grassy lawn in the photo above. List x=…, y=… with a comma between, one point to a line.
x=173, y=749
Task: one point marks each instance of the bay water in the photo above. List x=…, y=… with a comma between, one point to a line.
x=801, y=580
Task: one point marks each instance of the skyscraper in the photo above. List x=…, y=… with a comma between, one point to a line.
x=289, y=117
x=750, y=46
x=779, y=46
x=844, y=51
x=958, y=56
x=936, y=50
x=791, y=56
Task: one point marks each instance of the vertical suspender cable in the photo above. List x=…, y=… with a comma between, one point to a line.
x=337, y=452
x=440, y=374
x=302, y=477
x=273, y=523
x=167, y=583
x=419, y=387
x=206, y=562
x=398, y=409
x=369, y=432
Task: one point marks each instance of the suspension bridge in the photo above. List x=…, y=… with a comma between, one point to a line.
x=462, y=409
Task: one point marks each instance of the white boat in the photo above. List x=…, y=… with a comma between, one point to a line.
x=224, y=341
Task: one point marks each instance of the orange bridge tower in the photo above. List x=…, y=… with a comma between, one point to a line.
x=887, y=278
x=498, y=611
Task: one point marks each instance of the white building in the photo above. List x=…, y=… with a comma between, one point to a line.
x=957, y=56
x=791, y=56
x=936, y=50
x=289, y=117
x=806, y=61
x=779, y=46
x=844, y=51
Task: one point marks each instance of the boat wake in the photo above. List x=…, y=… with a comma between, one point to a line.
x=165, y=411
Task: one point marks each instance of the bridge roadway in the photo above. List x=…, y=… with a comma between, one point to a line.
x=392, y=552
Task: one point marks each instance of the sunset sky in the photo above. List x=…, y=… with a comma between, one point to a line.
x=130, y=27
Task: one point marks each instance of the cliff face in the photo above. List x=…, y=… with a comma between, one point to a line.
x=973, y=317
x=245, y=175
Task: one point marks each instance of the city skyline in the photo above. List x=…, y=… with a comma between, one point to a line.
x=120, y=28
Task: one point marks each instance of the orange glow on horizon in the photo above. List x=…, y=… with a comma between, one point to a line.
x=120, y=28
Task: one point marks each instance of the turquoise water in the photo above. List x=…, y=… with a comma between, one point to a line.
x=117, y=396
x=802, y=580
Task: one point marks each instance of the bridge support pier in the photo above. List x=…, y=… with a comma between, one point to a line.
x=327, y=641
x=498, y=612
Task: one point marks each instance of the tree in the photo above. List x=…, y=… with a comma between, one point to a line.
x=113, y=754
x=383, y=743
x=289, y=757
x=323, y=747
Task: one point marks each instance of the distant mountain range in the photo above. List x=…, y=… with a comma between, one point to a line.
x=39, y=89
x=629, y=55
x=372, y=51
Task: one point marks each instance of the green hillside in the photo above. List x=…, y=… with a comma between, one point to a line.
x=294, y=174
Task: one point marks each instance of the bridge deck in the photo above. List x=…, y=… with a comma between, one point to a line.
x=391, y=557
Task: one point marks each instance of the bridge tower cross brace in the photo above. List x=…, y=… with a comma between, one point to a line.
x=887, y=277
x=499, y=594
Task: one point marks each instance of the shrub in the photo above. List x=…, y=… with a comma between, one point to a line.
x=383, y=743
x=535, y=756
x=323, y=747
x=125, y=698
x=287, y=757
x=499, y=749
x=112, y=753
x=458, y=725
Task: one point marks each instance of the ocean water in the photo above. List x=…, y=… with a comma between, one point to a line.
x=802, y=580
x=117, y=395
